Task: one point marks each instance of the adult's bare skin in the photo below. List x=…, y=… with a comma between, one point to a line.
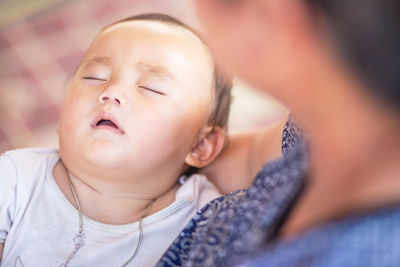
x=236, y=167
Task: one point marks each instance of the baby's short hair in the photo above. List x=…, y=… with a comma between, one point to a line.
x=222, y=82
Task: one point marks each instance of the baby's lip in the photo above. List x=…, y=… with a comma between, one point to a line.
x=106, y=121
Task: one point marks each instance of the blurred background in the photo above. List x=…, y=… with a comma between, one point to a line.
x=42, y=42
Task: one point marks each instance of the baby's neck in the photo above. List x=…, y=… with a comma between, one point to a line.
x=106, y=207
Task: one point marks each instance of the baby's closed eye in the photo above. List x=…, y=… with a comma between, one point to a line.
x=94, y=78
x=152, y=89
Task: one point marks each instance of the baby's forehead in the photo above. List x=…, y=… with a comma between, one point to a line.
x=161, y=31
x=155, y=28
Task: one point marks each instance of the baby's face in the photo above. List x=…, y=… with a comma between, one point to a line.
x=138, y=100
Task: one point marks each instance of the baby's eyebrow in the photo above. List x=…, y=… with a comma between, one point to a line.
x=154, y=67
x=97, y=60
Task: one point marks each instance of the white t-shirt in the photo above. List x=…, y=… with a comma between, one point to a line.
x=37, y=222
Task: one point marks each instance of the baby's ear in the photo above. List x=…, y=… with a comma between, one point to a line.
x=207, y=148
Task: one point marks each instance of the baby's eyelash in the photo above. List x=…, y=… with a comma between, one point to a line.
x=152, y=90
x=94, y=78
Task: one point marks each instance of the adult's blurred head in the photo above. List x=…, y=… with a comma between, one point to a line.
x=367, y=35
x=282, y=46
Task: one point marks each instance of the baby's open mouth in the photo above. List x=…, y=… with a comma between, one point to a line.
x=107, y=122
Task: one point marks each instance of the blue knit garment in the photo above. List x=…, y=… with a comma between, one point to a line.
x=237, y=224
x=239, y=229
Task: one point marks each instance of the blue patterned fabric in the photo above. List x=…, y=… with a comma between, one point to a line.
x=371, y=240
x=242, y=225
x=236, y=224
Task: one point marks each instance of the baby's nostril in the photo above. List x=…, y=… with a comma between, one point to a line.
x=106, y=98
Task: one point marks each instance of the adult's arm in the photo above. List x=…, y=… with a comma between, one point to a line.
x=238, y=164
x=1, y=250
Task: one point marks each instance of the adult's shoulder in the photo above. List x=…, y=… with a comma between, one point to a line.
x=292, y=135
x=291, y=166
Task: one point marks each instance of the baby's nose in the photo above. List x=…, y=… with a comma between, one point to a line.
x=106, y=99
x=115, y=93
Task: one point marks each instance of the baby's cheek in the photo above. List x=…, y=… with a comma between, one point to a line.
x=68, y=128
x=75, y=110
x=69, y=122
x=185, y=130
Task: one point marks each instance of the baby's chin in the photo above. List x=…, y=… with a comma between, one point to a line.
x=107, y=156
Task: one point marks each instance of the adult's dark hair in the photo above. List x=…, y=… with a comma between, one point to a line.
x=222, y=82
x=367, y=34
